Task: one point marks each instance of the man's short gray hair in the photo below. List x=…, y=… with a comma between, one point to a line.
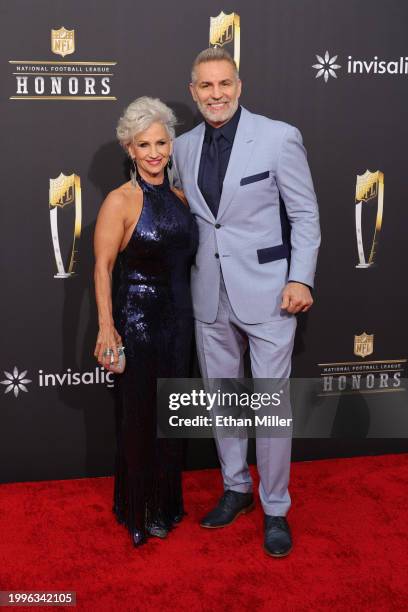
x=213, y=54
x=140, y=115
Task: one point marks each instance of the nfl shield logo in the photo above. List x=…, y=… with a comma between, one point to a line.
x=63, y=41
x=62, y=190
x=367, y=185
x=221, y=29
x=363, y=345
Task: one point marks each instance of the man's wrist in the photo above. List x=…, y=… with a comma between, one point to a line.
x=300, y=283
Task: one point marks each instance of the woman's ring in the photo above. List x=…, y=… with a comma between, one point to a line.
x=108, y=353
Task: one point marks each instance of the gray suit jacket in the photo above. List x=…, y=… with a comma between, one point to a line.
x=263, y=240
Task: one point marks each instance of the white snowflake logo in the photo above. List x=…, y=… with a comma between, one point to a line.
x=15, y=382
x=326, y=66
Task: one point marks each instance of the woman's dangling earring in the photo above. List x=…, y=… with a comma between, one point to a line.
x=170, y=173
x=133, y=173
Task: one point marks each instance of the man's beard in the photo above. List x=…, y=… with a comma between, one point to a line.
x=218, y=117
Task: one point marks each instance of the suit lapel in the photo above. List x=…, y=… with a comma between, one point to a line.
x=240, y=156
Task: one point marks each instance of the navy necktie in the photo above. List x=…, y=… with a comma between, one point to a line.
x=211, y=174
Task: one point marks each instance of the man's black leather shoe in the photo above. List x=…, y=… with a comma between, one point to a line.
x=278, y=541
x=230, y=506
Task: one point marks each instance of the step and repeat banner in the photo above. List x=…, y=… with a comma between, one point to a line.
x=338, y=71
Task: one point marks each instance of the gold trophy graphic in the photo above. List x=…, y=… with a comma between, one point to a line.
x=65, y=193
x=369, y=189
x=225, y=29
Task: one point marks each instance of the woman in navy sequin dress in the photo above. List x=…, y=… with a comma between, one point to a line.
x=147, y=226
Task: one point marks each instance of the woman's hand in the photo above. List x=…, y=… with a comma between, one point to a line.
x=108, y=340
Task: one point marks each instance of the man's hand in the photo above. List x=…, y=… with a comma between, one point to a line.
x=296, y=297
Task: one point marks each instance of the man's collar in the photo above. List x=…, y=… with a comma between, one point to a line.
x=228, y=130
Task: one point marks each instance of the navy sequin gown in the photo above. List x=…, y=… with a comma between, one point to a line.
x=153, y=315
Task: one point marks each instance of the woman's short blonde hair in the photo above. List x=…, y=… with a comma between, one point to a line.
x=139, y=116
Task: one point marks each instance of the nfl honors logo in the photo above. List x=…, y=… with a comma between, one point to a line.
x=357, y=377
x=62, y=78
x=63, y=41
x=364, y=345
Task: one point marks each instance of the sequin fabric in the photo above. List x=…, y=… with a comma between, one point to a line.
x=153, y=314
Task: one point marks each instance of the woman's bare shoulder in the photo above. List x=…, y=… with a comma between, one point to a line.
x=122, y=196
x=180, y=194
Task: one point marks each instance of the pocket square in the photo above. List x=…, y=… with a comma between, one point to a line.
x=280, y=251
x=254, y=177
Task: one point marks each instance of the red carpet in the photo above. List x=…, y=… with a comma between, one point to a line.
x=349, y=522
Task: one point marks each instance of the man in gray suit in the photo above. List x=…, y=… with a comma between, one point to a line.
x=249, y=186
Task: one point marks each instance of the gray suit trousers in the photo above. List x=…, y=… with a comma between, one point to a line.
x=221, y=346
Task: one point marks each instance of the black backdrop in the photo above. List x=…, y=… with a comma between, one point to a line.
x=354, y=122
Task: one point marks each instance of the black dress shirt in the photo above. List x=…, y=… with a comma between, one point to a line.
x=226, y=140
